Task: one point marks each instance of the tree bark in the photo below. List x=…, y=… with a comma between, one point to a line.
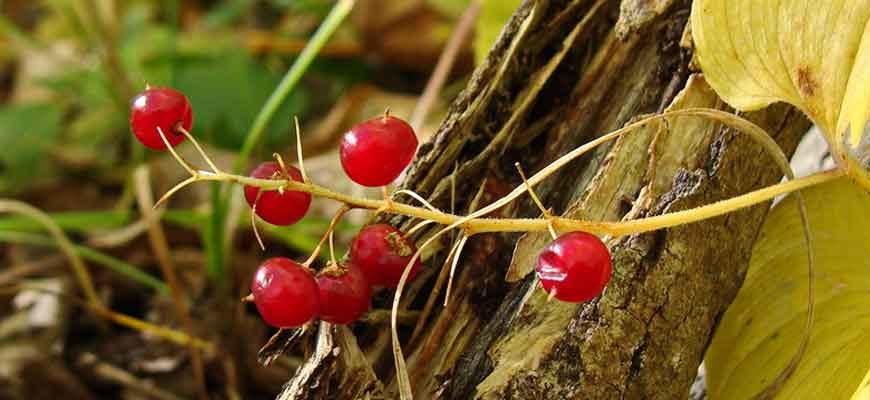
x=561, y=74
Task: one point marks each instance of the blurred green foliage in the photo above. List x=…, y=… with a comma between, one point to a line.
x=209, y=61
x=493, y=15
x=26, y=133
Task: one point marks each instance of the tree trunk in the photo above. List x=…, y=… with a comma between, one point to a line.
x=561, y=74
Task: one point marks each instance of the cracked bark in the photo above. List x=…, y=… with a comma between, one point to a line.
x=562, y=73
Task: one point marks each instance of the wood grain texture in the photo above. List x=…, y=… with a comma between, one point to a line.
x=561, y=74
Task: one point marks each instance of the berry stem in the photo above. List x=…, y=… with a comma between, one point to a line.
x=331, y=228
x=473, y=223
x=418, y=198
x=160, y=247
x=388, y=198
x=199, y=149
x=332, y=247
x=179, y=186
x=453, y=264
x=336, y=16
x=700, y=213
x=299, y=158
x=165, y=333
x=66, y=246
x=531, y=191
x=184, y=163
x=254, y=222
x=419, y=226
x=433, y=294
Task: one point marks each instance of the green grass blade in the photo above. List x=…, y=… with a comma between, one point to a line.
x=336, y=16
x=79, y=221
x=128, y=270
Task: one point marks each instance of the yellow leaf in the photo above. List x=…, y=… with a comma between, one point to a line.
x=810, y=53
x=762, y=329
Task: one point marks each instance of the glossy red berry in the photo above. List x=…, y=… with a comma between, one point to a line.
x=375, y=152
x=164, y=108
x=273, y=206
x=345, y=293
x=285, y=293
x=382, y=252
x=575, y=267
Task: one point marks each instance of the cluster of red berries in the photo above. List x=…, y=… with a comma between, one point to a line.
x=289, y=294
x=575, y=267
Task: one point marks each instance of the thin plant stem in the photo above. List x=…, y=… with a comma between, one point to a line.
x=164, y=259
x=332, y=247
x=181, y=160
x=162, y=332
x=436, y=290
x=95, y=256
x=419, y=225
x=453, y=265
x=336, y=16
x=199, y=149
x=531, y=191
x=176, y=188
x=78, y=266
x=474, y=223
x=254, y=221
x=218, y=238
x=332, y=224
x=299, y=158
x=123, y=88
x=416, y=197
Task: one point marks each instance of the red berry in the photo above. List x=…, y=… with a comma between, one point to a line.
x=375, y=152
x=164, y=108
x=575, y=267
x=285, y=293
x=273, y=206
x=345, y=293
x=383, y=253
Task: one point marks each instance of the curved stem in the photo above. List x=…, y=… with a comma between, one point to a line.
x=165, y=333
x=254, y=221
x=197, y=146
x=433, y=295
x=339, y=12
x=332, y=224
x=473, y=223
x=453, y=265
x=417, y=197
x=299, y=158
x=78, y=266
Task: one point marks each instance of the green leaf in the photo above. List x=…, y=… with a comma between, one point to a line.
x=227, y=12
x=763, y=327
x=27, y=131
x=227, y=89
x=493, y=15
